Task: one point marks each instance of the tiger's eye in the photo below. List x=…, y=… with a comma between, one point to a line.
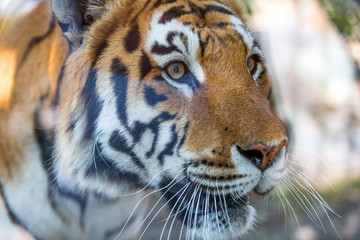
x=176, y=70
x=251, y=64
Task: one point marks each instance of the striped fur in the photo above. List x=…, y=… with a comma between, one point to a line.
x=90, y=115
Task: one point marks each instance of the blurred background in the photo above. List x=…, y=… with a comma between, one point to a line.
x=313, y=48
x=313, y=53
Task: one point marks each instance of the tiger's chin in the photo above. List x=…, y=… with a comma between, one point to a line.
x=206, y=215
x=227, y=224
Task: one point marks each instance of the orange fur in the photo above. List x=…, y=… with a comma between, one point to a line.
x=27, y=80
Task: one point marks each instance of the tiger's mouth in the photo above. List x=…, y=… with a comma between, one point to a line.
x=199, y=209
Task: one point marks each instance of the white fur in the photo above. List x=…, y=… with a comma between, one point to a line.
x=240, y=28
x=30, y=201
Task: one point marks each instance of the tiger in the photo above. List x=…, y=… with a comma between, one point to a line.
x=105, y=102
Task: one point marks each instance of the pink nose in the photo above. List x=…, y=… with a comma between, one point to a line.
x=261, y=155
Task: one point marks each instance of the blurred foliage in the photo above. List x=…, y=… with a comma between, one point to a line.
x=344, y=191
x=345, y=14
x=248, y=6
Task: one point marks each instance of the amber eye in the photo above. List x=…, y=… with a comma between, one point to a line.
x=251, y=64
x=176, y=70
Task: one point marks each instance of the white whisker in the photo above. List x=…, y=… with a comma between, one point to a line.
x=293, y=212
x=183, y=189
x=138, y=203
x=157, y=202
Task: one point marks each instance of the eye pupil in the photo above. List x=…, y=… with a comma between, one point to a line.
x=176, y=69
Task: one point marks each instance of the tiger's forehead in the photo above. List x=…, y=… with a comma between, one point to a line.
x=181, y=32
x=204, y=16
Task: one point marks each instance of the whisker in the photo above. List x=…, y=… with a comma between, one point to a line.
x=298, y=179
x=157, y=202
x=323, y=204
x=190, y=218
x=283, y=205
x=174, y=217
x=186, y=214
x=311, y=190
x=217, y=216
x=314, y=153
x=138, y=203
x=165, y=204
x=196, y=212
x=183, y=189
x=307, y=168
x=293, y=212
x=293, y=190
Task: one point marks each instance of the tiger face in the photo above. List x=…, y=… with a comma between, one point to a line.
x=172, y=95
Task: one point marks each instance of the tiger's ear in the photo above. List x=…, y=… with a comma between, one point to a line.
x=75, y=15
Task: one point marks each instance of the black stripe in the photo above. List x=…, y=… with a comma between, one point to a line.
x=182, y=140
x=269, y=94
x=221, y=25
x=214, y=8
x=64, y=28
x=102, y=37
x=156, y=4
x=151, y=97
x=106, y=168
x=56, y=100
x=73, y=122
x=37, y=40
x=92, y=103
x=132, y=39
x=118, y=143
x=145, y=65
x=202, y=44
x=255, y=44
x=169, y=149
x=173, y=13
x=140, y=11
x=184, y=39
x=154, y=126
x=98, y=50
x=178, y=11
x=199, y=11
x=262, y=73
x=120, y=80
x=163, y=50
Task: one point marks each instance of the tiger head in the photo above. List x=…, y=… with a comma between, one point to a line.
x=171, y=95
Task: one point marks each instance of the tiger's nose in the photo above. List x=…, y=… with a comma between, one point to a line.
x=261, y=155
